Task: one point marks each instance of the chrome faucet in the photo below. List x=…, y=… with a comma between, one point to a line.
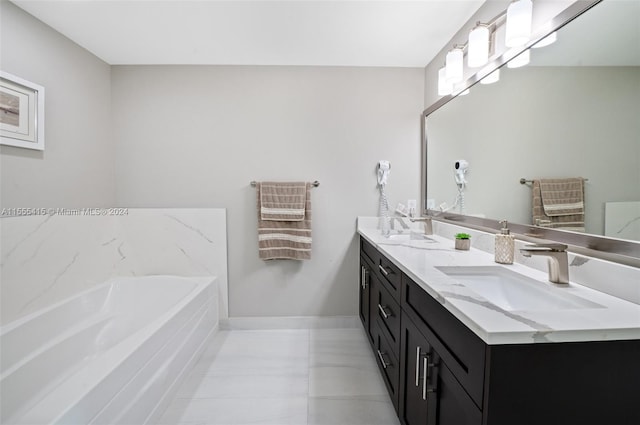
x=428, y=224
x=558, y=261
x=404, y=225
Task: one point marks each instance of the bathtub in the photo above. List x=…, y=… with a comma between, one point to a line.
x=113, y=354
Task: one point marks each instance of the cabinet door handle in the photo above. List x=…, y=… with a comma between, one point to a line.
x=417, y=366
x=384, y=312
x=425, y=377
x=381, y=356
x=363, y=277
x=383, y=270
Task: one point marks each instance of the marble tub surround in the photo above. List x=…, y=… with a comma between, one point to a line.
x=614, y=319
x=46, y=258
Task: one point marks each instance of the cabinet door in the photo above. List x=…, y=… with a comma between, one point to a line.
x=374, y=287
x=418, y=362
x=365, y=293
x=455, y=407
x=430, y=392
x=368, y=304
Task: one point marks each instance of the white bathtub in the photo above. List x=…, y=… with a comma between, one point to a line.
x=110, y=355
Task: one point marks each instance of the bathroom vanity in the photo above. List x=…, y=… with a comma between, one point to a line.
x=451, y=353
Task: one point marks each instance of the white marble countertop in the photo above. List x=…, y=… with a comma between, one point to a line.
x=613, y=319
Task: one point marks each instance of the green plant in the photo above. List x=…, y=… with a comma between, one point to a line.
x=463, y=236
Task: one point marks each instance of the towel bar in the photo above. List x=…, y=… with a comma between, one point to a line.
x=315, y=183
x=525, y=181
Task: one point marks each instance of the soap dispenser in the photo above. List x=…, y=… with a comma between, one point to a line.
x=504, y=245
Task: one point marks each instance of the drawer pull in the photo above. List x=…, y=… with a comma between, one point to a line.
x=363, y=278
x=382, y=360
x=384, y=312
x=383, y=270
x=417, y=366
x=425, y=377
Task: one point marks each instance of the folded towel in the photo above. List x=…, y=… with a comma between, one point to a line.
x=559, y=203
x=286, y=238
x=562, y=196
x=283, y=201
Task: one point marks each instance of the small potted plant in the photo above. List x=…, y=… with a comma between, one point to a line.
x=463, y=241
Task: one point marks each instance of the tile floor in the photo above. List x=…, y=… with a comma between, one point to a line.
x=284, y=377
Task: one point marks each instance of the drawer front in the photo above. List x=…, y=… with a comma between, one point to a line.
x=461, y=349
x=389, y=366
x=369, y=251
x=388, y=316
x=390, y=276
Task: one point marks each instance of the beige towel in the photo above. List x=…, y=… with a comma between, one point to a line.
x=559, y=203
x=283, y=201
x=285, y=238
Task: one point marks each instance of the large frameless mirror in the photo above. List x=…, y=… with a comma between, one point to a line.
x=571, y=112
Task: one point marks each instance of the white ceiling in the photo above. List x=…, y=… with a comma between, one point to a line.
x=263, y=32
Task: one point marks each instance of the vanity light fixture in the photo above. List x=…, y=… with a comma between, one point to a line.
x=550, y=39
x=491, y=78
x=444, y=88
x=519, y=17
x=478, y=53
x=515, y=22
x=521, y=60
x=454, y=65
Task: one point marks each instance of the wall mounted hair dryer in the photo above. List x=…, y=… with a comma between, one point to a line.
x=461, y=167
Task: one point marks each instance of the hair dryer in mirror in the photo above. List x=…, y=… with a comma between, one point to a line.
x=461, y=167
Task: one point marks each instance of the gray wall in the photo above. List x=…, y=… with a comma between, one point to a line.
x=76, y=168
x=195, y=136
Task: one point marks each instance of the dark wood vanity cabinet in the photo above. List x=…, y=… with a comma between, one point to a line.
x=438, y=371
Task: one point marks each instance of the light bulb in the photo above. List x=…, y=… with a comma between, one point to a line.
x=454, y=65
x=444, y=88
x=519, y=15
x=478, y=53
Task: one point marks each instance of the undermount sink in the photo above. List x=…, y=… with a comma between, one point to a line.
x=410, y=237
x=513, y=291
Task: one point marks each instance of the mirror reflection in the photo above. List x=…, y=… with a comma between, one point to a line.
x=573, y=112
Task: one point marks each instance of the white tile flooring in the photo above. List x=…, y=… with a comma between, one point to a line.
x=284, y=377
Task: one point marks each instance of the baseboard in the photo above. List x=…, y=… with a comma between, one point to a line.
x=295, y=322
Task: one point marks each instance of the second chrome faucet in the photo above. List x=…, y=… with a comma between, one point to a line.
x=428, y=224
x=558, y=260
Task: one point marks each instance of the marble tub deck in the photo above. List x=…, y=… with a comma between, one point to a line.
x=284, y=377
